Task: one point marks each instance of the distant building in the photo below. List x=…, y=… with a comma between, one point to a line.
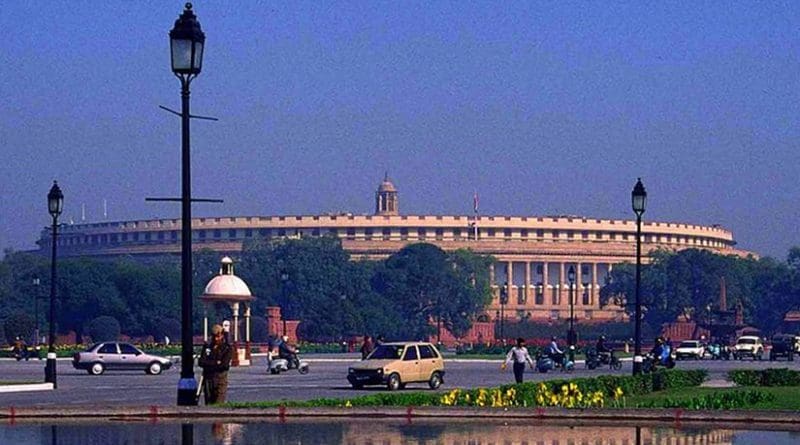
x=533, y=253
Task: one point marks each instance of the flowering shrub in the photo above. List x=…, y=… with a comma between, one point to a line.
x=495, y=398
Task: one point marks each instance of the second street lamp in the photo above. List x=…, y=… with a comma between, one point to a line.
x=186, y=49
x=55, y=205
x=638, y=201
x=571, y=340
x=503, y=302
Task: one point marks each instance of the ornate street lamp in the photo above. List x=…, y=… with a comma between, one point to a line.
x=503, y=303
x=36, y=338
x=186, y=44
x=284, y=283
x=571, y=334
x=55, y=205
x=638, y=201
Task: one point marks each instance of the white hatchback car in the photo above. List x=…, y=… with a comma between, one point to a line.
x=749, y=346
x=693, y=349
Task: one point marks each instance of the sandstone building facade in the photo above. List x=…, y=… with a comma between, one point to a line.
x=533, y=253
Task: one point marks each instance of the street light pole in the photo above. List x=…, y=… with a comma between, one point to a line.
x=571, y=333
x=55, y=205
x=503, y=302
x=638, y=201
x=36, y=284
x=186, y=44
x=284, y=282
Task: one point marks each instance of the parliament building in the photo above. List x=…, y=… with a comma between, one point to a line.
x=533, y=253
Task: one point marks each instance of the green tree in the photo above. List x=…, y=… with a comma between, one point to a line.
x=424, y=284
x=103, y=328
x=18, y=324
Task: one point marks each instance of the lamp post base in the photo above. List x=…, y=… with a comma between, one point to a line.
x=637, y=364
x=50, y=372
x=187, y=392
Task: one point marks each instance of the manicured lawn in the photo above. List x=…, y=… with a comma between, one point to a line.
x=783, y=398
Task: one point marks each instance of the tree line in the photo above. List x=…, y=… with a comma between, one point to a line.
x=687, y=284
x=312, y=279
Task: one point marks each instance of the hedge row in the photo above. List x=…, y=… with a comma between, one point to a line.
x=525, y=393
x=765, y=377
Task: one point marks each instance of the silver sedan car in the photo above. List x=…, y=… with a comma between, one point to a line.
x=123, y=356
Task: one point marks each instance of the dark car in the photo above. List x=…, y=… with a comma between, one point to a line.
x=782, y=346
x=123, y=356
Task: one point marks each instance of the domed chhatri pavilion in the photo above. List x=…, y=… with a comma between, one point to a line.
x=533, y=252
x=229, y=289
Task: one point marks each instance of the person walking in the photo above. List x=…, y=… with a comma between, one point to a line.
x=518, y=355
x=366, y=347
x=215, y=359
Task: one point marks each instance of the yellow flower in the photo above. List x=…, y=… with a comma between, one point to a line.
x=348, y=404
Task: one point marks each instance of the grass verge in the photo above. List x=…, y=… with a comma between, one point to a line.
x=774, y=398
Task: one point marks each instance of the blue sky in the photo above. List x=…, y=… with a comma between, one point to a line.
x=542, y=107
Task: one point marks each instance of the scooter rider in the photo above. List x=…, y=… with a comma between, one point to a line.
x=600, y=346
x=288, y=352
x=556, y=354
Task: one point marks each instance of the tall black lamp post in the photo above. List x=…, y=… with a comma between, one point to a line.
x=284, y=283
x=571, y=334
x=55, y=205
x=503, y=303
x=36, y=338
x=638, y=201
x=186, y=45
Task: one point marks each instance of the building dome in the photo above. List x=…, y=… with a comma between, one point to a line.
x=226, y=285
x=387, y=185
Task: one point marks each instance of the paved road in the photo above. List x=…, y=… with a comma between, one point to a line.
x=326, y=379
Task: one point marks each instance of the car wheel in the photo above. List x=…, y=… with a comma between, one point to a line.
x=617, y=365
x=97, y=369
x=393, y=384
x=303, y=369
x=154, y=368
x=274, y=371
x=436, y=380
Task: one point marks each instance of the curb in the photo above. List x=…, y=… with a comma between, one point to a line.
x=780, y=419
x=26, y=387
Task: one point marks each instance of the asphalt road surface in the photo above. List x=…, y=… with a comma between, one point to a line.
x=327, y=378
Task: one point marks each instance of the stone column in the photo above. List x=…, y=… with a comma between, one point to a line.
x=235, y=310
x=561, y=285
x=528, y=297
x=545, y=283
x=247, y=353
x=510, y=278
x=578, y=294
x=595, y=295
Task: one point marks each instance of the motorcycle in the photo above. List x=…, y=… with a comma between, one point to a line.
x=276, y=365
x=651, y=362
x=544, y=363
x=21, y=352
x=596, y=359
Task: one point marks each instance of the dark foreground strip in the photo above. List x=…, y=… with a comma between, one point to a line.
x=781, y=419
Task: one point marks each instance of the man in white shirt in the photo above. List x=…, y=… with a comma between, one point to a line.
x=519, y=355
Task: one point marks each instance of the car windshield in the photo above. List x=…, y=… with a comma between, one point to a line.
x=93, y=347
x=384, y=352
x=746, y=341
x=688, y=344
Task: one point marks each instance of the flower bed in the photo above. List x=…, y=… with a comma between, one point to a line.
x=575, y=393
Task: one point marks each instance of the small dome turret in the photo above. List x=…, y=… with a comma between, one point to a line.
x=386, y=198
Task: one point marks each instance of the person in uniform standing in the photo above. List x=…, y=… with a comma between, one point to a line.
x=215, y=359
x=518, y=355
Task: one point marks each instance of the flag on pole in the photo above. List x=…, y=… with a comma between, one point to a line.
x=475, y=202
